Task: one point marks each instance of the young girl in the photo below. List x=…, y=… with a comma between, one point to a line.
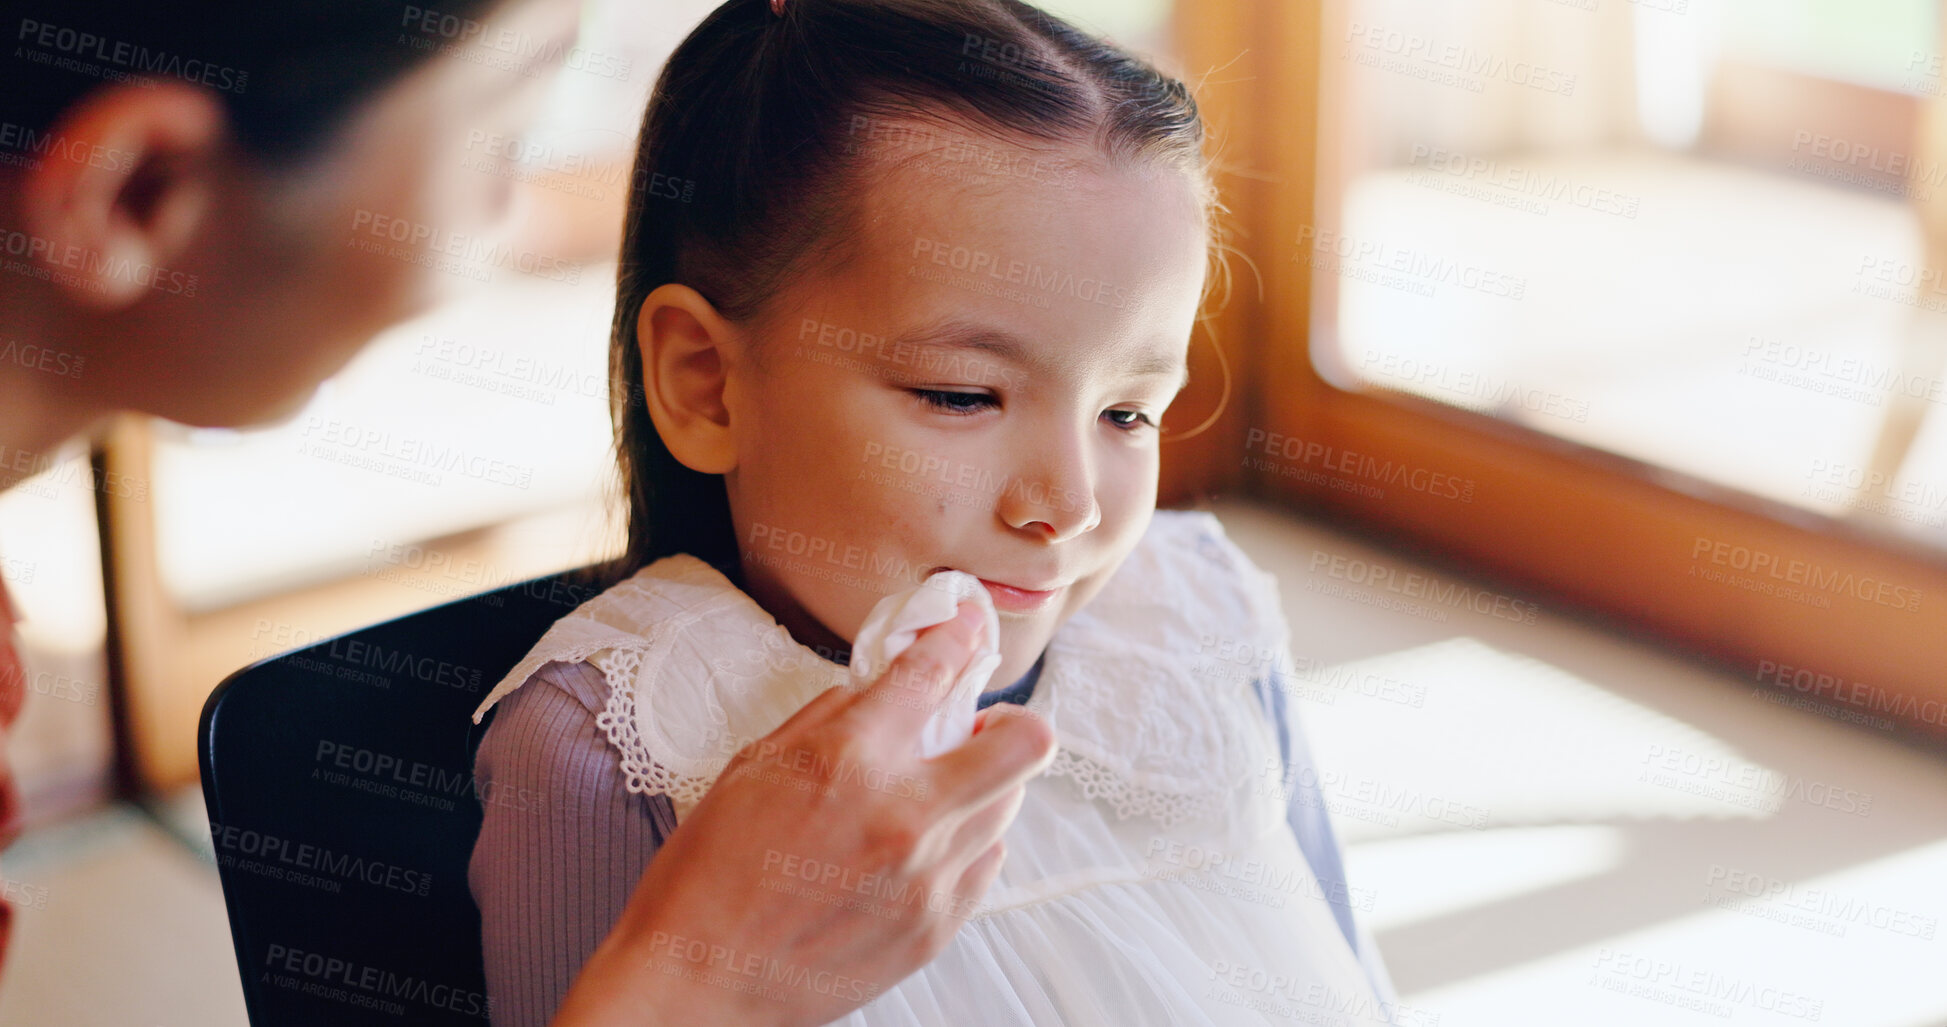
x=907, y=285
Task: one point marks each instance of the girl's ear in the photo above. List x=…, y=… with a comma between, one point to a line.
x=685, y=356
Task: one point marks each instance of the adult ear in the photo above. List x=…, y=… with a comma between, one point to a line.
x=123, y=189
x=685, y=360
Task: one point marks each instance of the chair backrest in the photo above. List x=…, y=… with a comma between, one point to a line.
x=339, y=782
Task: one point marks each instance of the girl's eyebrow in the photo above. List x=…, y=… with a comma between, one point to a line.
x=1007, y=346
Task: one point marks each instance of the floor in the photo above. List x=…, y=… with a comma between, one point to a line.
x=1548, y=824
x=1562, y=826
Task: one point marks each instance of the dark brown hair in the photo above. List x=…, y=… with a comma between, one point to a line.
x=287, y=71
x=741, y=175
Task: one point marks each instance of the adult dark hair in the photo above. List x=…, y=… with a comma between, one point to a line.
x=287, y=70
x=742, y=175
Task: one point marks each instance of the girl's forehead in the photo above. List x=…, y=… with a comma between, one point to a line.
x=1031, y=199
x=956, y=151
x=1068, y=278
x=1077, y=266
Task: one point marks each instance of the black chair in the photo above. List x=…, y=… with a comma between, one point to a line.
x=339, y=781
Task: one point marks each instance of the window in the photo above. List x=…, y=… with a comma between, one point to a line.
x=1532, y=285
x=1575, y=218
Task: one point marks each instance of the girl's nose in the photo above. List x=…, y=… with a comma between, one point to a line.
x=1054, y=495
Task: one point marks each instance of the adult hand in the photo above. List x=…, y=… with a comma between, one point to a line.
x=828, y=862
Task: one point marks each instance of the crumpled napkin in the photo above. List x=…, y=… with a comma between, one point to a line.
x=896, y=622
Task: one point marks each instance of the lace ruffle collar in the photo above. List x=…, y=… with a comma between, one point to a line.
x=1151, y=706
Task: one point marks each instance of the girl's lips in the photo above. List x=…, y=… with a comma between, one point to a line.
x=1010, y=599
x=1020, y=600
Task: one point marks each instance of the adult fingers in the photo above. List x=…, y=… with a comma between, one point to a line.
x=979, y=832
x=792, y=735
x=1011, y=746
x=894, y=708
x=823, y=707
x=979, y=875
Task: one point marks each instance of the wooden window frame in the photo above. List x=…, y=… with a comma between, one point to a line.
x=1576, y=527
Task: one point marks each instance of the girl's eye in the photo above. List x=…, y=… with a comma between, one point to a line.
x=964, y=403
x=955, y=402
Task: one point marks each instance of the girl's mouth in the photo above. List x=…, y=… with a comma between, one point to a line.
x=1013, y=598
x=1021, y=600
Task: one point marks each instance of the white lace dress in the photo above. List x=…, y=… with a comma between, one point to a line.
x=1151, y=875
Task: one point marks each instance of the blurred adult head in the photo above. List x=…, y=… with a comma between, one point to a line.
x=189, y=192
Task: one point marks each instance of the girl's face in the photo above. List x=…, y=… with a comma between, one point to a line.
x=976, y=386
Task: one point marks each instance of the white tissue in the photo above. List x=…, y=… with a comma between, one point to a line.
x=897, y=621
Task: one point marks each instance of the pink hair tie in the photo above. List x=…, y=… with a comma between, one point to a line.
x=777, y=7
